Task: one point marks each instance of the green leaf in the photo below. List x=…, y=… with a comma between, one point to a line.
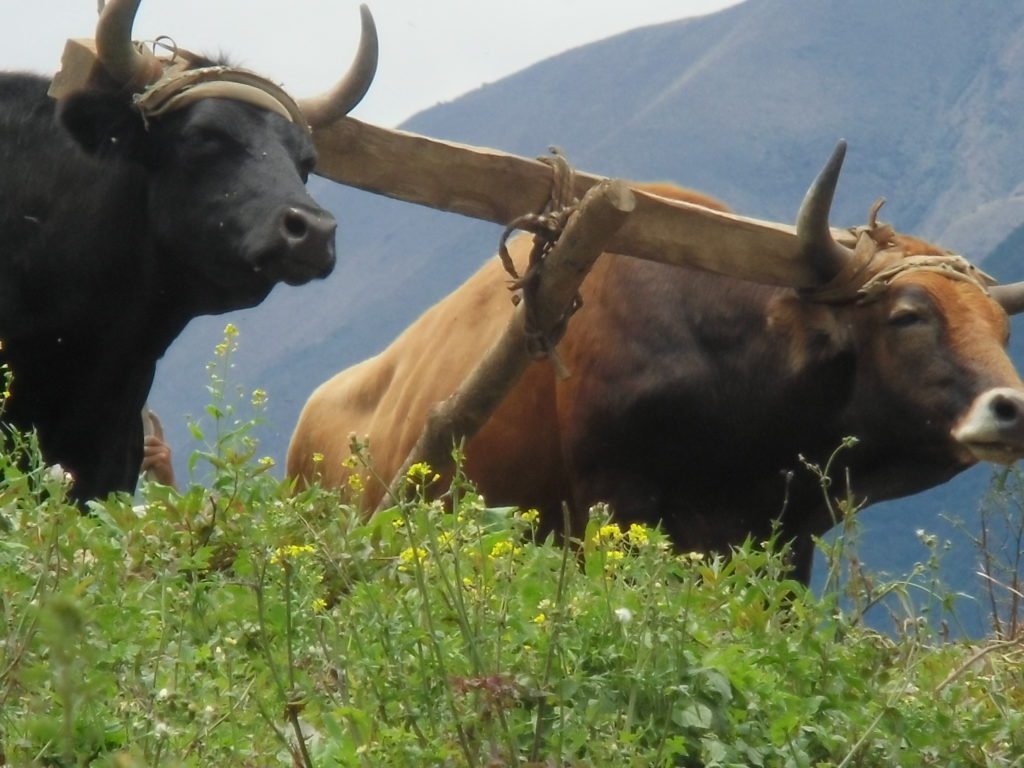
x=696, y=716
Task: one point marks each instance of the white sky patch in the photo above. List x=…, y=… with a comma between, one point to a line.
x=431, y=51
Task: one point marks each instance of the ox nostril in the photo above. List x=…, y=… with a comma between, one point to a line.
x=295, y=224
x=302, y=228
x=1004, y=409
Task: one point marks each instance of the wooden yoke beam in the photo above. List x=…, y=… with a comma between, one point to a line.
x=602, y=212
x=499, y=187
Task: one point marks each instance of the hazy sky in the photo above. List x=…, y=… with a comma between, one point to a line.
x=431, y=50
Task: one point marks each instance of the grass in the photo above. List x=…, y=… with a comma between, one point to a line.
x=237, y=623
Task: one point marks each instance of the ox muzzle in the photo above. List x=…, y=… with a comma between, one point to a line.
x=993, y=428
x=301, y=245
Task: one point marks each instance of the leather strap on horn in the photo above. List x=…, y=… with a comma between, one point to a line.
x=856, y=270
x=878, y=260
x=950, y=265
x=874, y=270
x=179, y=89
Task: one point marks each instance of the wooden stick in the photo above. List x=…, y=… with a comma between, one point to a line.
x=603, y=210
x=496, y=186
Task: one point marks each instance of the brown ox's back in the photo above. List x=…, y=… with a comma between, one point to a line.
x=518, y=452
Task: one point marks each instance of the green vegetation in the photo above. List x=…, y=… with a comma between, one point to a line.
x=216, y=625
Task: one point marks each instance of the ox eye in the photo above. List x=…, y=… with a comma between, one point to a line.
x=905, y=317
x=208, y=141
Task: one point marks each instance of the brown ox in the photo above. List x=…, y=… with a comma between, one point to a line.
x=693, y=395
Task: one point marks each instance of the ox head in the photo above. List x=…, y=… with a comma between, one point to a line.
x=923, y=332
x=225, y=155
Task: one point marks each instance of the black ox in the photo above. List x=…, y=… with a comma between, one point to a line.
x=162, y=191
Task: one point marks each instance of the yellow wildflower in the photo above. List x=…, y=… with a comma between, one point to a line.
x=609, y=534
x=530, y=516
x=355, y=483
x=319, y=604
x=612, y=558
x=230, y=333
x=259, y=398
x=410, y=555
x=419, y=471
x=317, y=457
x=540, y=618
x=291, y=552
x=637, y=535
x=503, y=549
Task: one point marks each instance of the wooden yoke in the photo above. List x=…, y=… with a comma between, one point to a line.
x=496, y=186
x=605, y=208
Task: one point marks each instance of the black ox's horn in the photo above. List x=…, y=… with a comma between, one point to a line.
x=339, y=101
x=812, y=228
x=122, y=60
x=128, y=65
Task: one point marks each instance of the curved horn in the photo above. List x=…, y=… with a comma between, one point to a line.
x=118, y=56
x=323, y=110
x=812, y=227
x=1009, y=296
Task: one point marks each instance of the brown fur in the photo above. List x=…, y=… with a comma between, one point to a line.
x=978, y=329
x=814, y=329
x=691, y=400
x=386, y=398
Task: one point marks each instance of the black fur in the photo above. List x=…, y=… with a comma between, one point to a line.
x=113, y=235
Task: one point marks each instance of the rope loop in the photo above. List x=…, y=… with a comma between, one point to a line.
x=165, y=43
x=546, y=226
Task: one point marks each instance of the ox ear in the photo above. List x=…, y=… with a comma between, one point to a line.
x=815, y=333
x=103, y=124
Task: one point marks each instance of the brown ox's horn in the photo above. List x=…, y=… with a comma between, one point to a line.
x=1009, y=296
x=323, y=110
x=812, y=227
x=122, y=60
